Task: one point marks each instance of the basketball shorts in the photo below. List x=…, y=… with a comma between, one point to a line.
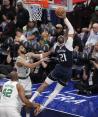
x=61, y=74
x=6, y=111
x=27, y=84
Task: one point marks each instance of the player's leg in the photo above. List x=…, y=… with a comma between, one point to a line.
x=12, y=112
x=27, y=84
x=2, y=112
x=28, y=93
x=49, y=80
x=58, y=73
x=62, y=74
x=56, y=91
x=43, y=86
x=51, y=97
x=62, y=81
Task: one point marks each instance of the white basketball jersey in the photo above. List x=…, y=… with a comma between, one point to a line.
x=9, y=96
x=22, y=71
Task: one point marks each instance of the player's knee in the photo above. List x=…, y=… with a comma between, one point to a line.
x=48, y=81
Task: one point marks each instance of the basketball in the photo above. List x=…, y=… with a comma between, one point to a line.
x=60, y=12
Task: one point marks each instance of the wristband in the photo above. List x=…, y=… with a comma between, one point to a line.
x=41, y=56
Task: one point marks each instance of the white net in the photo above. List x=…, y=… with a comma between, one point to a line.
x=35, y=11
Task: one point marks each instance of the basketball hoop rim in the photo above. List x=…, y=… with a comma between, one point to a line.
x=32, y=3
x=40, y=3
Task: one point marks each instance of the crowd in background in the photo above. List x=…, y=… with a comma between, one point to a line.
x=40, y=36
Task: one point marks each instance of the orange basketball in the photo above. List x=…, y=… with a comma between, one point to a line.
x=60, y=11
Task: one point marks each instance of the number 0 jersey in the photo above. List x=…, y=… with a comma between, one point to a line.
x=9, y=96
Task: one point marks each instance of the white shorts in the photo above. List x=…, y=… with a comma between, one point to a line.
x=27, y=84
x=6, y=111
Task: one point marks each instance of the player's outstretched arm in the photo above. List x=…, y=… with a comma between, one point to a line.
x=21, y=93
x=70, y=27
x=61, y=13
x=30, y=65
x=39, y=56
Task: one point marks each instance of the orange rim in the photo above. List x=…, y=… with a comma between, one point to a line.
x=43, y=3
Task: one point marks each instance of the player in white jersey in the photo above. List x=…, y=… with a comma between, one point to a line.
x=23, y=66
x=12, y=98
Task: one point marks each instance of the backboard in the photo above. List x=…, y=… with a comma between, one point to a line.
x=67, y=4
x=52, y=4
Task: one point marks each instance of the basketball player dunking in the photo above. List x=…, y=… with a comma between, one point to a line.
x=63, y=70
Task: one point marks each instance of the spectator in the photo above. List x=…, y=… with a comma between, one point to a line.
x=20, y=37
x=8, y=27
x=77, y=43
x=6, y=8
x=89, y=81
x=94, y=17
x=93, y=36
x=44, y=39
x=31, y=32
x=22, y=15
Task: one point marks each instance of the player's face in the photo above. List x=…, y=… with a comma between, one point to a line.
x=22, y=50
x=60, y=40
x=58, y=29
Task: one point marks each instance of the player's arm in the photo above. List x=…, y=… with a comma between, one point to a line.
x=70, y=27
x=39, y=56
x=21, y=93
x=69, y=42
x=30, y=65
x=45, y=54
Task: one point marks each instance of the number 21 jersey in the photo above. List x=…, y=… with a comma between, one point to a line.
x=64, y=55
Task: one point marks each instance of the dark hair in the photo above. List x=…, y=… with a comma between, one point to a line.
x=19, y=30
x=59, y=37
x=10, y=16
x=19, y=4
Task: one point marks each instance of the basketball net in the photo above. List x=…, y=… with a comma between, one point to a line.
x=35, y=12
x=35, y=8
